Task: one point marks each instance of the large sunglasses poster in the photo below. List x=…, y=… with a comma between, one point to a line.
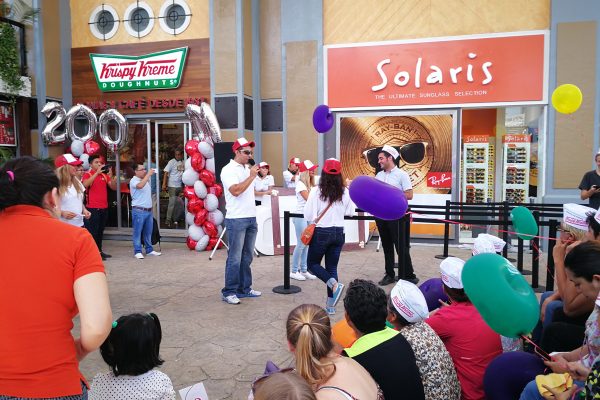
x=424, y=143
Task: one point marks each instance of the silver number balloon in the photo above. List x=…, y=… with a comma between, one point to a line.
x=49, y=134
x=81, y=111
x=210, y=123
x=120, y=139
x=192, y=111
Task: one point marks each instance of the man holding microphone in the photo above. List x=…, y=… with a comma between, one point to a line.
x=393, y=233
x=240, y=222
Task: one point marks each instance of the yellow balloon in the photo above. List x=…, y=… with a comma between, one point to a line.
x=567, y=98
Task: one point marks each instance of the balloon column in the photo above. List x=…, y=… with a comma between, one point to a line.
x=201, y=190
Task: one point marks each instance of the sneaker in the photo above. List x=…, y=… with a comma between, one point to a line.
x=386, y=280
x=308, y=275
x=139, y=256
x=104, y=255
x=297, y=276
x=154, y=253
x=337, y=295
x=330, y=310
x=231, y=299
x=251, y=293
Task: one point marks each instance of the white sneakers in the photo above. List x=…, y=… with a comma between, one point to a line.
x=140, y=256
x=231, y=299
x=302, y=276
x=297, y=276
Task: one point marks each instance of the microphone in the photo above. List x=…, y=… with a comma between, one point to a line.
x=251, y=162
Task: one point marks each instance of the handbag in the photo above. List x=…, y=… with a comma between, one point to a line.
x=308, y=232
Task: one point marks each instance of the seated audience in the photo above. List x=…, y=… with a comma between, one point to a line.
x=383, y=351
x=309, y=338
x=507, y=374
x=132, y=352
x=472, y=344
x=284, y=385
x=407, y=310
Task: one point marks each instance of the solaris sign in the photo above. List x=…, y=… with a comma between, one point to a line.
x=161, y=70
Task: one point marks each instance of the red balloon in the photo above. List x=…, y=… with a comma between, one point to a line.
x=191, y=147
x=207, y=177
x=195, y=205
x=90, y=147
x=216, y=189
x=210, y=229
x=191, y=244
x=200, y=217
x=212, y=242
x=198, y=162
x=189, y=193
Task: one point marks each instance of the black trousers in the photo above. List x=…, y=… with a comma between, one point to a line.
x=395, y=239
x=95, y=225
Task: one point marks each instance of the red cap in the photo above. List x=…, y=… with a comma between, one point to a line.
x=307, y=165
x=241, y=142
x=295, y=160
x=332, y=166
x=263, y=164
x=67, y=159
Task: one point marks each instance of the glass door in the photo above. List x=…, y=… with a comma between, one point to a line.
x=168, y=144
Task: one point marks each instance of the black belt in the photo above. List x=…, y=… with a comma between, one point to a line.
x=142, y=208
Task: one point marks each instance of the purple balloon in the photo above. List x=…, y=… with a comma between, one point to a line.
x=378, y=198
x=322, y=119
x=433, y=290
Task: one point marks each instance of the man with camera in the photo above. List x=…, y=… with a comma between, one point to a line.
x=289, y=176
x=590, y=185
x=96, y=181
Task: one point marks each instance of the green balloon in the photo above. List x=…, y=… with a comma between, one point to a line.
x=501, y=295
x=524, y=223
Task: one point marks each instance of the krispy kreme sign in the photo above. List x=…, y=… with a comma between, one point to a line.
x=161, y=70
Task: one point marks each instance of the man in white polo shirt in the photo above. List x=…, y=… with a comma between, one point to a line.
x=240, y=222
x=393, y=233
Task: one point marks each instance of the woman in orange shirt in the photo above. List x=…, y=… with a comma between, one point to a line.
x=50, y=272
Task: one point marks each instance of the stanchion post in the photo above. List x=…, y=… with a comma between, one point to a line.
x=551, y=243
x=520, y=255
x=505, y=228
x=286, y=288
x=535, y=261
x=446, y=233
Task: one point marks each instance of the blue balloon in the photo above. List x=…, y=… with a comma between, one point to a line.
x=322, y=119
x=378, y=198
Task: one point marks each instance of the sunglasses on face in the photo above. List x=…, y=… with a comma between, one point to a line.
x=265, y=376
x=246, y=152
x=410, y=153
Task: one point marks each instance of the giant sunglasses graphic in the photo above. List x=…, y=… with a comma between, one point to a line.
x=410, y=153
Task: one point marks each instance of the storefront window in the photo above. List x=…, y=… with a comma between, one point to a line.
x=175, y=16
x=139, y=19
x=104, y=22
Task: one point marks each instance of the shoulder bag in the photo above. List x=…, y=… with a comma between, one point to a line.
x=308, y=232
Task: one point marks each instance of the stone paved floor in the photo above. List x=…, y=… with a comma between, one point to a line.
x=205, y=339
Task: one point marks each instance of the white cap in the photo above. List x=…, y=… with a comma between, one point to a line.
x=409, y=301
x=575, y=215
x=392, y=151
x=483, y=245
x=495, y=240
x=451, y=270
x=263, y=164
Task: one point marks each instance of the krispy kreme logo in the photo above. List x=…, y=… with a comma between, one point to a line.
x=161, y=70
x=407, y=311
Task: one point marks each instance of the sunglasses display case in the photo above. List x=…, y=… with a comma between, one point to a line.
x=515, y=178
x=477, y=169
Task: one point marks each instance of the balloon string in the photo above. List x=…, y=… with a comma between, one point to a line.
x=537, y=349
x=481, y=226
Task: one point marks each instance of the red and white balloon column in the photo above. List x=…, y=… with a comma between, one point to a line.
x=203, y=216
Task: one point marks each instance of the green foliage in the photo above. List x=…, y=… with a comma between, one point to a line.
x=6, y=153
x=10, y=71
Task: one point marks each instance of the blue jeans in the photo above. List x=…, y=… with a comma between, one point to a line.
x=549, y=316
x=301, y=250
x=241, y=235
x=328, y=243
x=531, y=391
x=142, y=225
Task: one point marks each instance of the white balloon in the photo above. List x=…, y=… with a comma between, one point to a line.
x=196, y=232
x=202, y=243
x=189, y=177
x=189, y=218
x=200, y=189
x=77, y=148
x=188, y=163
x=85, y=159
x=206, y=150
x=211, y=202
x=216, y=217
x=210, y=165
